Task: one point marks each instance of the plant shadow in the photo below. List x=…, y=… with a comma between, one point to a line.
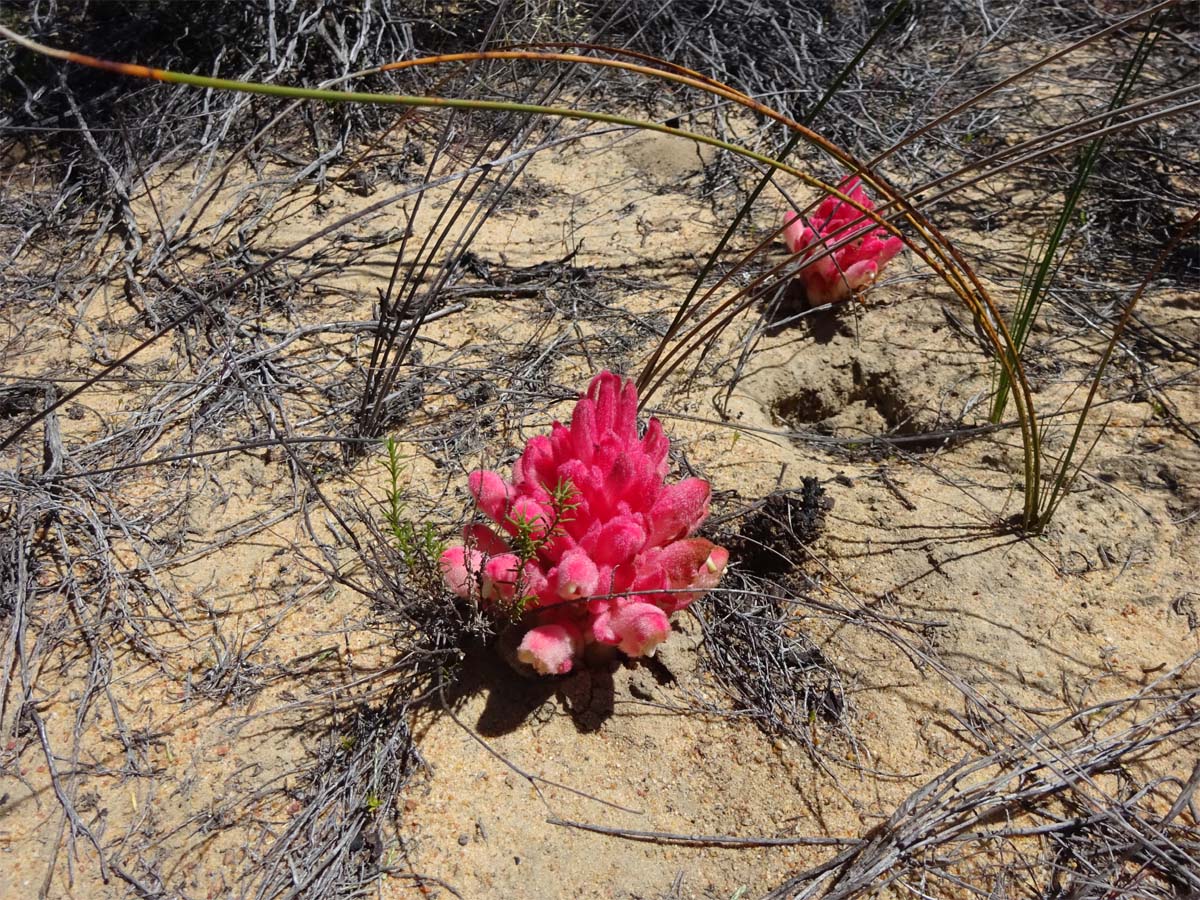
x=586, y=694
x=821, y=324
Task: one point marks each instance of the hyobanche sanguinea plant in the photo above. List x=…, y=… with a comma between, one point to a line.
x=865, y=248
x=588, y=543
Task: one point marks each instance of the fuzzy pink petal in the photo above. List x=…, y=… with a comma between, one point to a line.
x=713, y=569
x=819, y=290
x=537, y=463
x=639, y=628
x=679, y=510
x=491, y=493
x=645, y=484
x=560, y=444
x=484, y=539
x=526, y=509
x=690, y=567
x=860, y=275
x=600, y=626
x=598, y=610
x=625, y=418
x=534, y=582
x=655, y=446
x=500, y=577
x=823, y=267
x=881, y=247
x=602, y=392
x=576, y=576
x=618, y=541
x=805, y=242
x=794, y=232
x=583, y=430
x=558, y=546
x=550, y=649
x=460, y=568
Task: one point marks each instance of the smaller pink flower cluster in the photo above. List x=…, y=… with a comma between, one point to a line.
x=591, y=543
x=854, y=265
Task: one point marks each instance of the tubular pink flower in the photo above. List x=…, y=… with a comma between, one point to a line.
x=692, y=568
x=637, y=627
x=852, y=267
x=484, y=539
x=613, y=555
x=616, y=541
x=500, y=577
x=461, y=567
x=679, y=510
x=490, y=493
x=576, y=576
x=550, y=649
x=530, y=513
x=534, y=582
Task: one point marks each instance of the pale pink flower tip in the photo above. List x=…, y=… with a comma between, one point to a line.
x=576, y=576
x=637, y=628
x=615, y=556
x=550, y=649
x=854, y=265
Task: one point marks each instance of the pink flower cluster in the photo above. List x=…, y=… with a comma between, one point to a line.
x=852, y=266
x=590, y=541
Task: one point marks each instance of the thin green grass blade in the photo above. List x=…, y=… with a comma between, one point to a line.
x=1062, y=483
x=1033, y=292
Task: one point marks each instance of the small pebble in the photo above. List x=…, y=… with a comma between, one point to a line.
x=463, y=840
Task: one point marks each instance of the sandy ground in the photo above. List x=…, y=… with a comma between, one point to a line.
x=929, y=610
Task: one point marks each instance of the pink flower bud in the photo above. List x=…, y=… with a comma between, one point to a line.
x=689, y=567
x=531, y=514
x=536, y=467
x=636, y=627
x=500, y=577
x=602, y=393
x=655, y=445
x=551, y=649
x=678, y=511
x=460, y=568
x=576, y=576
x=483, y=539
x=618, y=541
x=796, y=234
x=534, y=582
x=490, y=492
x=583, y=430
